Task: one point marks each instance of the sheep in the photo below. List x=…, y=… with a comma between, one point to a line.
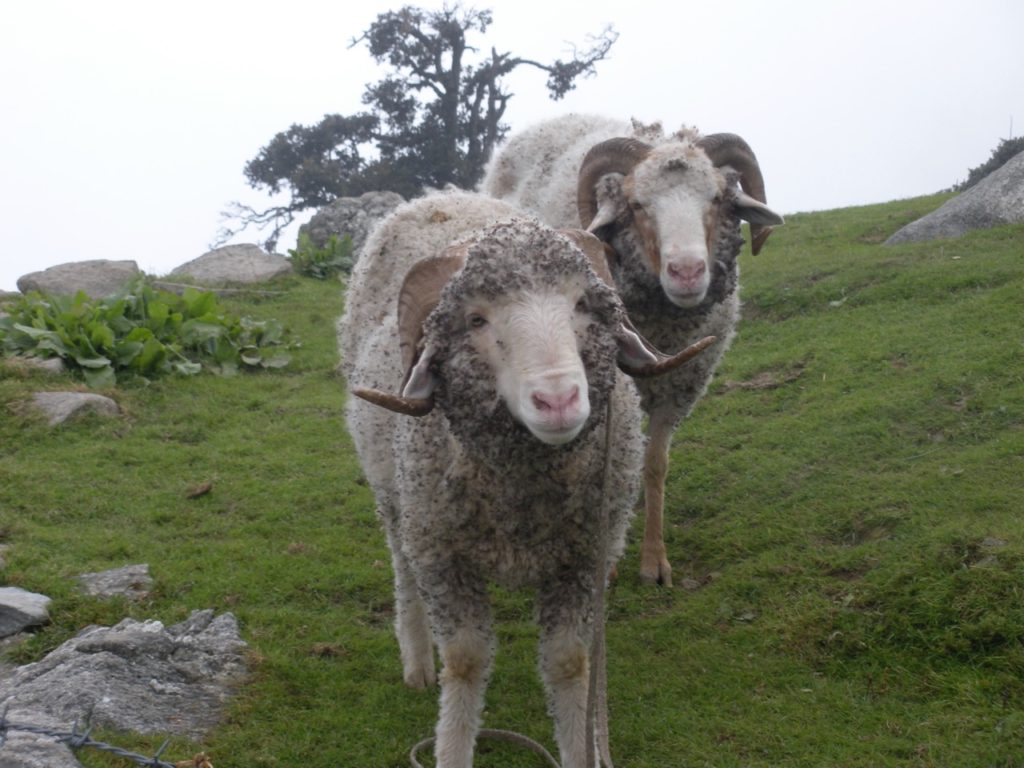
x=670, y=208
x=504, y=343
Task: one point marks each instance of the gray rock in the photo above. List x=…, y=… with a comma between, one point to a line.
x=131, y=581
x=97, y=278
x=21, y=609
x=52, y=365
x=235, y=265
x=61, y=406
x=352, y=216
x=995, y=200
x=28, y=750
x=135, y=676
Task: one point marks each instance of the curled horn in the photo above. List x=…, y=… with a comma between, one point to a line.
x=667, y=363
x=408, y=406
x=619, y=155
x=421, y=290
x=730, y=149
x=596, y=251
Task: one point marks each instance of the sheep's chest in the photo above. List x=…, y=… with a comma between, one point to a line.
x=515, y=529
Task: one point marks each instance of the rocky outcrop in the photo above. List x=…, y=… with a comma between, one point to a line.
x=97, y=278
x=234, y=265
x=137, y=676
x=995, y=200
x=352, y=216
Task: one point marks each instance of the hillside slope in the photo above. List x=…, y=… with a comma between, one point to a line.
x=843, y=520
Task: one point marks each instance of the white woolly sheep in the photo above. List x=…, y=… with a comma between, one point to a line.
x=670, y=208
x=505, y=344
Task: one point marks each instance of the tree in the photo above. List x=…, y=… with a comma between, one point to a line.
x=432, y=121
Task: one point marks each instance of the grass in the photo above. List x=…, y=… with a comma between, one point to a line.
x=843, y=505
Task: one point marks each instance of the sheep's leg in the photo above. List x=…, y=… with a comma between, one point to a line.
x=654, y=565
x=467, y=655
x=565, y=666
x=411, y=624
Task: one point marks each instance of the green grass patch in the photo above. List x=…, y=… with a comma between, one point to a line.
x=843, y=507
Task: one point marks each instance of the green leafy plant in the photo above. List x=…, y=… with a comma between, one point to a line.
x=321, y=263
x=141, y=331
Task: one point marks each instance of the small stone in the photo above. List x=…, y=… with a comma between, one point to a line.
x=21, y=609
x=54, y=365
x=131, y=581
x=61, y=406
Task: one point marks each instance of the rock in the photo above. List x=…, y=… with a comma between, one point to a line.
x=131, y=581
x=52, y=365
x=352, y=216
x=61, y=406
x=235, y=265
x=28, y=750
x=21, y=609
x=97, y=278
x=135, y=676
x=995, y=200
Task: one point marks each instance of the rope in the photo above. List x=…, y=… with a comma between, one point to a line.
x=493, y=735
x=597, y=691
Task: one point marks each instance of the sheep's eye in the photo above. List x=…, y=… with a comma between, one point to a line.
x=717, y=199
x=634, y=205
x=583, y=305
x=476, y=320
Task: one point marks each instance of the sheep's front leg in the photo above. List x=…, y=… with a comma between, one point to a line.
x=565, y=665
x=411, y=625
x=654, y=565
x=466, y=643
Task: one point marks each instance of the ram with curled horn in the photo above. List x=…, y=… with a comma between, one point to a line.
x=669, y=207
x=505, y=338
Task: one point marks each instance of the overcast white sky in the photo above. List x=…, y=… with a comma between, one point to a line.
x=124, y=126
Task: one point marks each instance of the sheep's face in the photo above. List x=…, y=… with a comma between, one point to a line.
x=526, y=325
x=675, y=200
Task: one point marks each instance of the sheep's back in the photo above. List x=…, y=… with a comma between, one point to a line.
x=537, y=169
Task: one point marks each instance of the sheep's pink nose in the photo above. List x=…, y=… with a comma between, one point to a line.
x=687, y=272
x=556, y=403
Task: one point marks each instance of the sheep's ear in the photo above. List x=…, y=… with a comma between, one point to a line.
x=421, y=382
x=634, y=352
x=756, y=212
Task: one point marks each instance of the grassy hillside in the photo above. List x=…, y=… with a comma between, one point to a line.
x=843, y=521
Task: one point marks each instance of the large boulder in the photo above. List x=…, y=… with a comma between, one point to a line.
x=137, y=676
x=995, y=200
x=243, y=264
x=352, y=216
x=98, y=278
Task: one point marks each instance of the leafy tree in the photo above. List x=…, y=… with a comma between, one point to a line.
x=433, y=120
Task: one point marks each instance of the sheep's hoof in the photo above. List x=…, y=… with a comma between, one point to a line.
x=420, y=678
x=656, y=570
